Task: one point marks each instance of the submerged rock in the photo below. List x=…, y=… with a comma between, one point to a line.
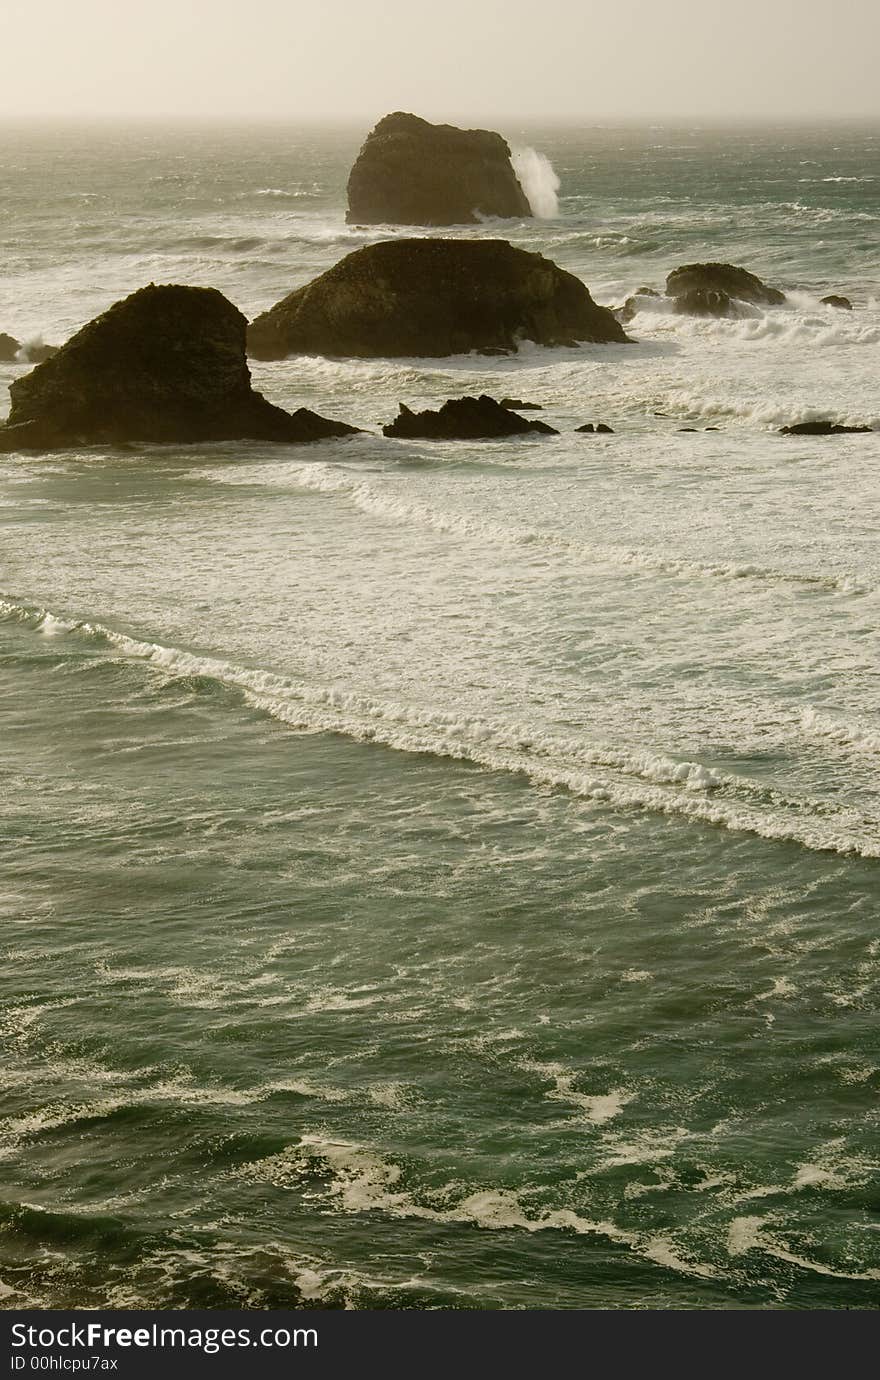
x=433, y=297
x=633, y=305
x=38, y=352
x=167, y=364
x=822, y=429
x=9, y=348
x=722, y=278
x=599, y=428
x=464, y=419
x=517, y=405
x=703, y=302
x=833, y=300
x=410, y=172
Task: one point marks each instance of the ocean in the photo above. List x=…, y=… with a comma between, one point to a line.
x=445, y=876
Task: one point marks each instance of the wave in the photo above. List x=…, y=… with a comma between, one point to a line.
x=749, y=1234
x=597, y=1108
x=820, y=725
x=324, y=478
x=600, y=775
x=686, y=404
x=360, y=1180
x=538, y=180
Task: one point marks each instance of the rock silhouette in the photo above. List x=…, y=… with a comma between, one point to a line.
x=822, y=429
x=165, y=364
x=722, y=278
x=433, y=297
x=410, y=172
x=464, y=419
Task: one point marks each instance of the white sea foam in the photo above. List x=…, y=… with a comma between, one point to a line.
x=750, y=1234
x=598, y=1108
x=596, y=774
x=361, y=1180
x=383, y=502
x=815, y=723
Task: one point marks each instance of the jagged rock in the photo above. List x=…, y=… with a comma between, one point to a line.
x=464, y=419
x=822, y=429
x=517, y=405
x=722, y=278
x=703, y=302
x=165, y=364
x=599, y=428
x=9, y=348
x=433, y=297
x=835, y=301
x=410, y=172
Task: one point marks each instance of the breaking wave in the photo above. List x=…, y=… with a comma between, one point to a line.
x=538, y=180
x=599, y=774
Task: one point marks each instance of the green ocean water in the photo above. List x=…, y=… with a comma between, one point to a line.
x=446, y=876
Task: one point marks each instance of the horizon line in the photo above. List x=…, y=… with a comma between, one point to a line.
x=596, y=120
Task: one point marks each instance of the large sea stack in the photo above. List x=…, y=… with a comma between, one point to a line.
x=410, y=172
x=167, y=364
x=433, y=297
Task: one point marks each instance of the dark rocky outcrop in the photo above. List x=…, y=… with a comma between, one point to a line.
x=464, y=419
x=9, y=348
x=704, y=302
x=517, y=405
x=722, y=278
x=600, y=428
x=822, y=429
x=833, y=300
x=410, y=172
x=433, y=297
x=167, y=364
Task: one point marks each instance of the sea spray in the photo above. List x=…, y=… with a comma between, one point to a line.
x=538, y=181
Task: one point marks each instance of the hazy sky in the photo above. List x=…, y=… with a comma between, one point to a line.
x=598, y=59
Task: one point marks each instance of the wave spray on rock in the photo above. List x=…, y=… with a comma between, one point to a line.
x=538, y=181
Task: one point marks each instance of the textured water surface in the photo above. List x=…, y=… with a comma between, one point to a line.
x=446, y=876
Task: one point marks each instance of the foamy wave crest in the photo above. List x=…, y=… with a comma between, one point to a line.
x=783, y=327
x=597, y=774
x=538, y=180
x=820, y=725
x=774, y=412
x=383, y=503
x=750, y=1234
x=360, y=1180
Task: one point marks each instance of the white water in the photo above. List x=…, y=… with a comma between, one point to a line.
x=538, y=180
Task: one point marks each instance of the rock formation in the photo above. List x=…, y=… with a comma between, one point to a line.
x=433, y=297
x=822, y=429
x=410, y=172
x=517, y=405
x=704, y=302
x=167, y=364
x=737, y=283
x=600, y=428
x=464, y=419
x=9, y=348
x=834, y=300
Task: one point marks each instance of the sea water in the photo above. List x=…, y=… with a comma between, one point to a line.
x=446, y=875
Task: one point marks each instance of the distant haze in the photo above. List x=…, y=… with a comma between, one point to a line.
x=320, y=59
